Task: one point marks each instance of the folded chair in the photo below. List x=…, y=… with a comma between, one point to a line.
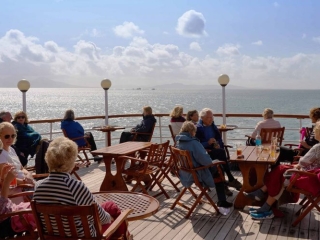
x=267, y=134
x=55, y=221
x=310, y=200
x=149, y=168
x=183, y=162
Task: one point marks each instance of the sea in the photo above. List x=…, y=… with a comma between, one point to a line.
x=48, y=103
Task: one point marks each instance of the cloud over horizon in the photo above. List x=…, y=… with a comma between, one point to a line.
x=127, y=30
x=142, y=62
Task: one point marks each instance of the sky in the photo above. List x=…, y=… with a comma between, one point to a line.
x=258, y=43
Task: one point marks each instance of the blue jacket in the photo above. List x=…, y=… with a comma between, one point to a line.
x=74, y=130
x=200, y=158
x=201, y=135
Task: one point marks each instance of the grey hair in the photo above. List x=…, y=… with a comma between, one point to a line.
x=69, y=115
x=267, y=113
x=204, y=112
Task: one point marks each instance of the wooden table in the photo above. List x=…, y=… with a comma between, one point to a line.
x=108, y=130
x=115, y=182
x=143, y=205
x=253, y=168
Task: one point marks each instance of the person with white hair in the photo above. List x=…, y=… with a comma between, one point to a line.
x=268, y=122
x=210, y=138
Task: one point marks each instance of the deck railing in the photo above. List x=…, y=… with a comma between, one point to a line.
x=162, y=132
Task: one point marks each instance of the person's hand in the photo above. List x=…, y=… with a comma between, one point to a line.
x=211, y=141
x=8, y=173
x=297, y=166
x=304, y=144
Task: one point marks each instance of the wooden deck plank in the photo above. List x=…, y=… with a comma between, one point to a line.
x=171, y=224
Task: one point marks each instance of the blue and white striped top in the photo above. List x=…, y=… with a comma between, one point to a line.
x=60, y=188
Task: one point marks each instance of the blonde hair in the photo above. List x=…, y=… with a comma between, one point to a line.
x=176, y=112
x=69, y=115
x=315, y=113
x=148, y=110
x=188, y=127
x=61, y=155
x=19, y=113
x=267, y=113
x=4, y=125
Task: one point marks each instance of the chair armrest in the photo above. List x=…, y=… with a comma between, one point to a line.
x=210, y=165
x=40, y=175
x=141, y=133
x=15, y=213
x=301, y=173
x=115, y=225
x=78, y=138
x=144, y=162
x=228, y=146
x=290, y=145
x=21, y=194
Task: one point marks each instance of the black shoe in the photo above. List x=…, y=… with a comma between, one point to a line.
x=224, y=204
x=227, y=191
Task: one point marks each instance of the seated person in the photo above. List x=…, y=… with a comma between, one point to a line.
x=193, y=116
x=274, y=180
x=210, y=138
x=74, y=130
x=186, y=141
x=287, y=154
x=5, y=116
x=145, y=126
x=268, y=122
x=60, y=188
x=27, y=139
x=176, y=119
x=13, y=225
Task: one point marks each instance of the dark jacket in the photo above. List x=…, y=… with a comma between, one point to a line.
x=74, y=130
x=201, y=135
x=146, y=124
x=27, y=138
x=200, y=158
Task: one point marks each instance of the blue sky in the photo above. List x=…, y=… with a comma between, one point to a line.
x=258, y=43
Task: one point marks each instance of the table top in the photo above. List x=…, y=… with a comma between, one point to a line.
x=251, y=155
x=143, y=205
x=122, y=148
x=108, y=128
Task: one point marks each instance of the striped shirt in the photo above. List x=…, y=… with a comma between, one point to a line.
x=60, y=188
x=267, y=123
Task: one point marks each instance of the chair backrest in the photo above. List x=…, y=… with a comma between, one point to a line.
x=151, y=133
x=308, y=131
x=157, y=153
x=59, y=221
x=183, y=162
x=267, y=134
x=172, y=134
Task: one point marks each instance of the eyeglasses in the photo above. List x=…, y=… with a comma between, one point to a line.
x=8, y=136
x=23, y=117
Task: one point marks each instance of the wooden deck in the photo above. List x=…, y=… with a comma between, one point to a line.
x=204, y=224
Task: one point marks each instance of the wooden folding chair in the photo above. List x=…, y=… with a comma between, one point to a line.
x=183, y=162
x=309, y=201
x=149, y=134
x=295, y=147
x=58, y=221
x=151, y=166
x=267, y=134
x=173, y=136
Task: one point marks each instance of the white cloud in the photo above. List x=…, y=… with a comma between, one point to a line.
x=276, y=4
x=195, y=46
x=141, y=62
x=258, y=43
x=127, y=30
x=304, y=36
x=316, y=39
x=191, y=24
x=229, y=49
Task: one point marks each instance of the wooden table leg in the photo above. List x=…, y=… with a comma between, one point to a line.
x=247, y=170
x=112, y=182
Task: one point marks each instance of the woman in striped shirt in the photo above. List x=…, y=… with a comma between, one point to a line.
x=60, y=188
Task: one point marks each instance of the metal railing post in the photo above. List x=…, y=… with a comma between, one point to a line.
x=160, y=129
x=50, y=130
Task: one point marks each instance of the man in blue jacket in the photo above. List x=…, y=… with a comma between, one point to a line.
x=210, y=138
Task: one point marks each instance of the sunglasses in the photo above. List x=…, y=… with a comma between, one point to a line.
x=23, y=117
x=8, y=136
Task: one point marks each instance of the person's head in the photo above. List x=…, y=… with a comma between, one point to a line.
x=193, y=116
x=61, y=155
x=8, y=135
x=176, y=112
x=314, y=114
x=147, y=111
x=69, y=115
x=267, y=113
x=317, y=131
x=189, y=127
x=5, y=116
x=21, y=117
x=206, y=116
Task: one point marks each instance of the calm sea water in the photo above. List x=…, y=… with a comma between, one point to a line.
x=52, y=103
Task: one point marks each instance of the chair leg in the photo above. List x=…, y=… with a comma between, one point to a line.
x=163, y=191
x=211, y=201
x=198, y=200
x=76, y=175
x=314, y=203
x=178, y=198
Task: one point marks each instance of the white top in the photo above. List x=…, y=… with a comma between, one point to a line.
x=267, y=123
x=312, y=158
x=11, y=157
x=176, y=127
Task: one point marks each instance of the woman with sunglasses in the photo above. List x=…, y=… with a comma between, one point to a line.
x=27, y=139
x=8, y=136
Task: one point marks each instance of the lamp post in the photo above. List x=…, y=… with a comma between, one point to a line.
x=24, y=86
x=106, y=84
x=223, y=81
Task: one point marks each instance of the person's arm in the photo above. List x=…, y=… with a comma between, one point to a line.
x=79, y=128
x=200, y=136
x=8, y=173
x=200, y=154
x=256, y=130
